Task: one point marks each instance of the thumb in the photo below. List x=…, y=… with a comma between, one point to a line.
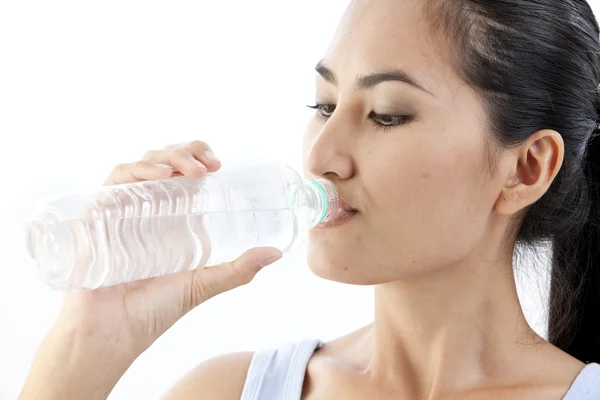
x=208, y=282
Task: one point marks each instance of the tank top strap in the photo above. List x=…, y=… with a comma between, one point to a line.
x=586, y=385
x=278, y=373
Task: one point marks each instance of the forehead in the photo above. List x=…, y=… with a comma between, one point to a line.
x=389, y=34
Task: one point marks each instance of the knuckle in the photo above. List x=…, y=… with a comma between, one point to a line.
x=121, y=168
x=234, y=267
x=149, y=155
x=117, y=174
x=179, y=152
x=197, y=145
x=139, y=164
x=242, y=277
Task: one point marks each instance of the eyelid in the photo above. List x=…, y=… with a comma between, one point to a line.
x=398, y=120
x=321, y=106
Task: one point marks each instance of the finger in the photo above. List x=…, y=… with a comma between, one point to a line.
x=201, y=151
x=204, y=153
x=180, y=159
x=208, y=282
x=138, y=171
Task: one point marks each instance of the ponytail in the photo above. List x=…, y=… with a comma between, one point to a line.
x=574, y=312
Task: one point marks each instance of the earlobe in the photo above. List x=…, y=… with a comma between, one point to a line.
x=509, y=200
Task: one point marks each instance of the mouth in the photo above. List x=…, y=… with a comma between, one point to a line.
x=345, y=206
x=348, y=208
x=347, y=212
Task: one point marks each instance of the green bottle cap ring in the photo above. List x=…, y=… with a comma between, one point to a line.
x=321, y=194
x=323, y=200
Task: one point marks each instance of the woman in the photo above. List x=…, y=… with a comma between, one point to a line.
x=456, y=130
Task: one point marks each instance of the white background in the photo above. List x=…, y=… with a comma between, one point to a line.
x=87, y=85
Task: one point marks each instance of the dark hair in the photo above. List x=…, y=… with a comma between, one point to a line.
x=536, y=65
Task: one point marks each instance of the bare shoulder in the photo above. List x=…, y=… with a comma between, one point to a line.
x=220, y=378
x=348, y=348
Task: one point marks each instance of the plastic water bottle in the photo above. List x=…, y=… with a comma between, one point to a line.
x=140, y=230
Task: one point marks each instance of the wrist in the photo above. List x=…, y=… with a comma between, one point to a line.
x=76, y=363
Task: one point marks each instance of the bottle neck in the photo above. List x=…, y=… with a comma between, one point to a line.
x=323, y=200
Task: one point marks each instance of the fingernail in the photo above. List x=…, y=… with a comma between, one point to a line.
x=210, y=156
x=269, y=261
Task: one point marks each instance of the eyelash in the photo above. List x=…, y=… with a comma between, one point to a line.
x=397, y=120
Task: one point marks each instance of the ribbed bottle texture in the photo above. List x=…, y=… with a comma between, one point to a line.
x=135, y=231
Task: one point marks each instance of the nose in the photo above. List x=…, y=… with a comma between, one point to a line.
x=329, y=151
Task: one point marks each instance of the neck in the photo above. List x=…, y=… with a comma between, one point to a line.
x=459, y=325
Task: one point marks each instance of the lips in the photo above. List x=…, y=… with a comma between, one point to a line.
x=339, y=219
x=347, y=207
x=346, y=212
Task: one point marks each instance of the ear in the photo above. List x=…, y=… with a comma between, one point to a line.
x=534, y=166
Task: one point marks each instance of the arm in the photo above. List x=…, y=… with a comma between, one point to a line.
x=71, y=364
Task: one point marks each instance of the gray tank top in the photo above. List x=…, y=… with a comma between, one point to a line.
x=278, y=374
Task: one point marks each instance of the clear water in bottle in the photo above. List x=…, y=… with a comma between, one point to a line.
x=140, y=230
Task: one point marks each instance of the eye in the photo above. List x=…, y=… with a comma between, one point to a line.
x=387, y=122
x=324, y=111
x=383, y=122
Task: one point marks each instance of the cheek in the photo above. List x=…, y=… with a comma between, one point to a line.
x=425, y=203
x=434, y=166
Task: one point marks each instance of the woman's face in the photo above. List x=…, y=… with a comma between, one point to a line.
x=424, y=200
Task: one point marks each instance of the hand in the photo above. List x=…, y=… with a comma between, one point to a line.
x=99, y=333
x=137, y=313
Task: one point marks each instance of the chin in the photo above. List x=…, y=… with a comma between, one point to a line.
x=340, y=265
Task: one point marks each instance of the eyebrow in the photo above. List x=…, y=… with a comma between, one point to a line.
x=370, y=81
